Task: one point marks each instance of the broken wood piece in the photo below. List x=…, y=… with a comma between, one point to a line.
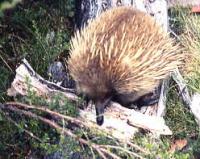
x=126, y=119
x=120, y=122
x=195, y=107
x=182, y=87
x=163, y=98
x=27, y=79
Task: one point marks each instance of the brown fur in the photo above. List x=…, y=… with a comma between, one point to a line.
x=123, y=54
x=123, y=50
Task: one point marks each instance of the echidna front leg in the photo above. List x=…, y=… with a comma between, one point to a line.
x=141, y=98
x=149, y=98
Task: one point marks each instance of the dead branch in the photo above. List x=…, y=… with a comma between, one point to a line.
x=55, y=114
x=68, y=118
x=101, y=149
x=195, y=107
x=122, y=149
x=182, y=87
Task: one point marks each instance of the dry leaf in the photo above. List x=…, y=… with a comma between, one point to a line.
x=178, y=145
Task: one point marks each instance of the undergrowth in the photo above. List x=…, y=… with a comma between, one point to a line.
x=38, y=31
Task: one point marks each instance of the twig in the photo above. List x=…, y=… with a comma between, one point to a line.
x=110, y=154
x=102, y=151
x=52, y=113
x=71, y=119
x=182, y=87
x=137, y=147
x=122, y=149
x=93, y=155
x=101, y=154
x=4, y=61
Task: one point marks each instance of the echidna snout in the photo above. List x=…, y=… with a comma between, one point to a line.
x=100, y=106
x=99, y=92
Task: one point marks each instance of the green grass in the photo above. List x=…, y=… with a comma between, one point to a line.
x=178, y=116
x=191, y=40
x=39, y=34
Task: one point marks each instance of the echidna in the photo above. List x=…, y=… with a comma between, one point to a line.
x=121, y=54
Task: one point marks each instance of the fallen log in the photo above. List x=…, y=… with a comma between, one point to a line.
x=120, y=122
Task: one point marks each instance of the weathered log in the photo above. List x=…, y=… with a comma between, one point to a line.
x=120, y=122
x=90, y=9
x=195, y=106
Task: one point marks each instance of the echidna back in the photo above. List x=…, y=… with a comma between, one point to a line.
x=122, y=50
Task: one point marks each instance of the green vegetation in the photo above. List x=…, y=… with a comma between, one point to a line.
x=40, y=31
